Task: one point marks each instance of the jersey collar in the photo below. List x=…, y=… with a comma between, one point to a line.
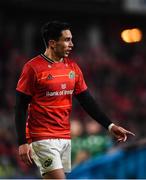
x=48, y=59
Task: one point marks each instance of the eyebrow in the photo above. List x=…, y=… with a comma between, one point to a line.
x=68, y=37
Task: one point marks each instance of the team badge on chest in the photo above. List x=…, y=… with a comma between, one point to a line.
x=71, y=74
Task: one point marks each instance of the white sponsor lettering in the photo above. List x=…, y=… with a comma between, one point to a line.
x=59, y=93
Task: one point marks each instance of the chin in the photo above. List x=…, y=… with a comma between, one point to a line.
x=66, y=55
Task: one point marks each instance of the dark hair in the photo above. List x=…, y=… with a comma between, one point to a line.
x=52, y=30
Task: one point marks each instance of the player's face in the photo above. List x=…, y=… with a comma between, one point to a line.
x=64, y=45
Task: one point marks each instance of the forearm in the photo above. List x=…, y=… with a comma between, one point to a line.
x=92, y=108
x=21, y=106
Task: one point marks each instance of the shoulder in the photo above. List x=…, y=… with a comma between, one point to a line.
x=34, y=61
x=31, y=65
x=71, y=62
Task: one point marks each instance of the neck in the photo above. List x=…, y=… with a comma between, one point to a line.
x=51, y=55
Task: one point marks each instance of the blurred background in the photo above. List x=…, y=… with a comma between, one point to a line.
x=110, y=47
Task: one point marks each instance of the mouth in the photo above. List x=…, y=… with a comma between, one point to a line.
x=68, y=51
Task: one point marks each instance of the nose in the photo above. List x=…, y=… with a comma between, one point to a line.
x=71, y=44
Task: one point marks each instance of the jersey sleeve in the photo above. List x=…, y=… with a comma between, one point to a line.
x=26, y=82
x=80, y=84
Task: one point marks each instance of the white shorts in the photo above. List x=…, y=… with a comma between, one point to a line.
x=52, y=154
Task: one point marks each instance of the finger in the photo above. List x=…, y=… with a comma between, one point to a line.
x=29, y=158
x=22, y=157
x=125, y=138
x=30, y=153
x=25, y=159
x=128, y=132
x=119, y=138
x=122, y=139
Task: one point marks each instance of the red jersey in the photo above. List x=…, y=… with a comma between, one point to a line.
x=51, y=86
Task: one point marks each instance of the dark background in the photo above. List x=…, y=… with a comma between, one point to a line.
x=114, y=71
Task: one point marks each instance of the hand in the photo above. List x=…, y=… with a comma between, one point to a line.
x=120, y=133
x=25, y=154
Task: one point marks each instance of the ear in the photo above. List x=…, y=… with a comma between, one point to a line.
x=52, y=43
